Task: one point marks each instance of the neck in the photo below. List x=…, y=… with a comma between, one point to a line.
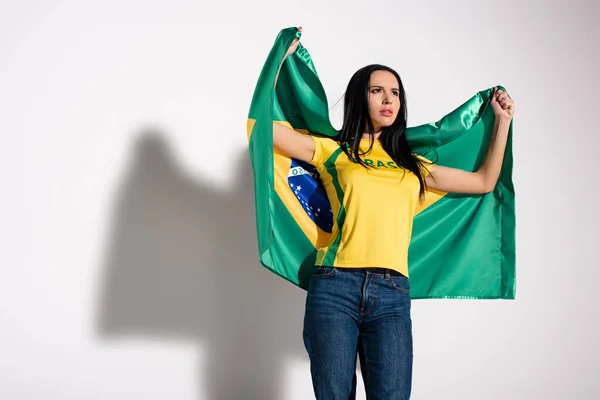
x=375, y=136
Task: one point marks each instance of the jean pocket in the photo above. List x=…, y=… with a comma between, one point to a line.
x=400, y=283
x=323, y=272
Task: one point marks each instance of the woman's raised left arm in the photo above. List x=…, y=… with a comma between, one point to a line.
x=484, y=180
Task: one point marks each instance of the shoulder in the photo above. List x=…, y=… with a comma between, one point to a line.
x=426, y=164
x=423, y=159
x=324, y=148
x=325, y=141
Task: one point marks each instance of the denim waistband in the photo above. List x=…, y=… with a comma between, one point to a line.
x=373, y=270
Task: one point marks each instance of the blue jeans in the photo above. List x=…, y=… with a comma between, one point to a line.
x=352, y=312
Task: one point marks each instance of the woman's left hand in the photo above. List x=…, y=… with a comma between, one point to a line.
x=504, y=107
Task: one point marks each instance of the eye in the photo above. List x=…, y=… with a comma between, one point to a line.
x=376, y=90
x=395, y=93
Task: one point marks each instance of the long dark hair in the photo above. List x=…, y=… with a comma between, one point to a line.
x=393, y=137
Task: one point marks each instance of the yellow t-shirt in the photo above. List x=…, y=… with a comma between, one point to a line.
x=373, y=208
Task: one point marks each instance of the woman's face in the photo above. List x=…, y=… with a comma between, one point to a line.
x=384, y=99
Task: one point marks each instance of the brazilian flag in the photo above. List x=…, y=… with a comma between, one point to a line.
x=462, y=246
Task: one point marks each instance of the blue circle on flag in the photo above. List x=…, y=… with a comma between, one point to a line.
x=304, y=182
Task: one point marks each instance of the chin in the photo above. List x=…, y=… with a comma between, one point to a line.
x=385, y=124
x=382, y=123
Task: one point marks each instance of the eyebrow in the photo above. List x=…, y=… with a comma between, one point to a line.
x=381, y=87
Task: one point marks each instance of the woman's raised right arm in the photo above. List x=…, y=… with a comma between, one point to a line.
x=293, y=143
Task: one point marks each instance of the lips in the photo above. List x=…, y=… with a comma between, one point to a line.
x=386, y=112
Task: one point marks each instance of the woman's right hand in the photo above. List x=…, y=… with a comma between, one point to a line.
x=294, y=45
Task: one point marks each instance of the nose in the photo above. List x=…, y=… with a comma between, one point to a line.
x=387, y=99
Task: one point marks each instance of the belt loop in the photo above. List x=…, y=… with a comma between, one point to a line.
x=388, y=276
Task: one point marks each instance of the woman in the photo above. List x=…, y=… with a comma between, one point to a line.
x=358, y=301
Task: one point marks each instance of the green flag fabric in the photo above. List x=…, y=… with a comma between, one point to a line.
x=462, y=246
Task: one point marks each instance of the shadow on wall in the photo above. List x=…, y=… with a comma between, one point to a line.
x=182, y=263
